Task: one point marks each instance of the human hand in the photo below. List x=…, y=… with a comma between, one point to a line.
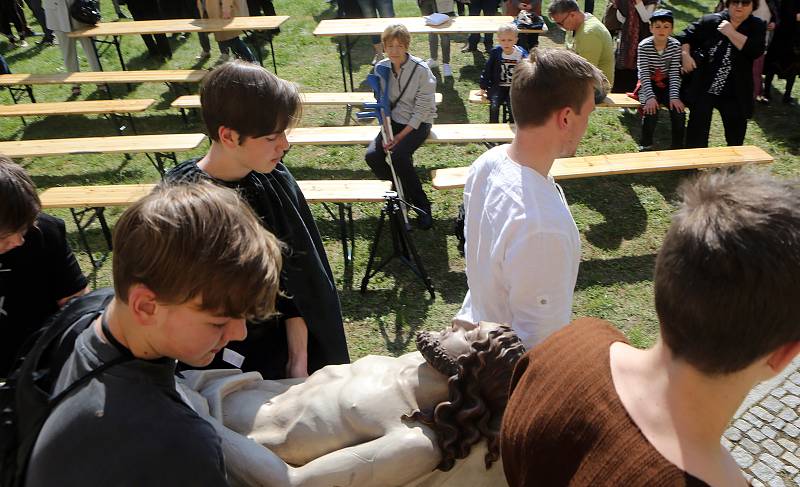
x=482, y=93
x=393, y=143
x=226, y=12
x=771, y=26
x=726, y=28
x=797, y=17
x=650, y=107
x=677, y=105
x=687, y=63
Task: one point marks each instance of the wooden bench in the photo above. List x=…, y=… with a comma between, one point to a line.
x=111, y=108
x=613, y=100
x=162, y=146
x=638, y=162
x=93, y=200
x=172, y=77
x=172, y=26
x=349, y=99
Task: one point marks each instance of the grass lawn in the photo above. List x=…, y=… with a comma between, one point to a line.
x=622, y=219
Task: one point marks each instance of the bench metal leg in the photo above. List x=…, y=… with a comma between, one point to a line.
x=17, y=91
x=97, y=51
x=158, y=158
x=346, y=231
x=272, y=52
x=83, y=219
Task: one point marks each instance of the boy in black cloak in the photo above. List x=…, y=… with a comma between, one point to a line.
x=247, y=110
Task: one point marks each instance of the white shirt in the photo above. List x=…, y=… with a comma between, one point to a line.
x=522, y=248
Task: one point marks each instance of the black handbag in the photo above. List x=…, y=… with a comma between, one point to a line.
x=85, y=11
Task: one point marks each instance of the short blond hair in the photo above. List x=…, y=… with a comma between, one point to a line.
x=397, y=32
x=198, y=240
x=509, y=28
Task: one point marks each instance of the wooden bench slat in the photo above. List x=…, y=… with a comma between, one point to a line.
x=171, y=26
x=363, y=134
x=415, y=25
x=126, y=194
x=346, y=98
x=640, y=162
x=76, y=107
x=101, y=77
x=613, y=100
x=94, y=145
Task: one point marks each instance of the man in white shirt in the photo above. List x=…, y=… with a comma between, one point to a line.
x=522, y=245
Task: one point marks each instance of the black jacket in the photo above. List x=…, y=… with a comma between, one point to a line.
x=702, y=35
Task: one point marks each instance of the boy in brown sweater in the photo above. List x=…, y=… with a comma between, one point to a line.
x=587, y=408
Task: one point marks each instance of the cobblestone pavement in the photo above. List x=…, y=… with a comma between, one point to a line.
x=764, y=438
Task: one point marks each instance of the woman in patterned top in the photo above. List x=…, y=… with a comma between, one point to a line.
x=719, y=50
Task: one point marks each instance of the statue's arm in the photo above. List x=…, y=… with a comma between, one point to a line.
x=396, y=458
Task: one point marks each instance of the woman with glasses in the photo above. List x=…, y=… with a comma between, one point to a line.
x=718, y=50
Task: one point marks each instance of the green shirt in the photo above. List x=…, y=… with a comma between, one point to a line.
x=593, y=43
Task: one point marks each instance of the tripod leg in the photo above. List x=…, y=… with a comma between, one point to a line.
x=373, y=250
x=407, y=251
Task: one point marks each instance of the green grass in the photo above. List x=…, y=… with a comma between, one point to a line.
x=622, y=219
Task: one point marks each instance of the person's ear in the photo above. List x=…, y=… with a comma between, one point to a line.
x=563, y=117
x=143, y=305
x=228, y=137
x=783, y=355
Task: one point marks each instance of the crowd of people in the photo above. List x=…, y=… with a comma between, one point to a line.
x=222, y=267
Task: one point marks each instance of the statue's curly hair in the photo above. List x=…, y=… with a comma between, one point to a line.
x=478, y=394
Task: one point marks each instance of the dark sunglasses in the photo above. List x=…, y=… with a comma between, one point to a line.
x=743, y=3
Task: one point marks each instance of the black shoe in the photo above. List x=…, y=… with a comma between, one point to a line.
x=488, y=46
x=468, y=48
x=424, y=221
x=789, y=101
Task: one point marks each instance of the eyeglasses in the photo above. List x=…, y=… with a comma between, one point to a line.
x=743, y=3
x=560, y=23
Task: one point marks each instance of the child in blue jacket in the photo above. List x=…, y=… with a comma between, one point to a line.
x=496, y=77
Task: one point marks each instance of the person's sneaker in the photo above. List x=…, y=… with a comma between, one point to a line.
x=432, y=63
x=468, y=48
x=203, y=55
x=223, y=58
x=447, y=71
x=47, y=41
x=424, y=221
x=645, y=148
x=22, y=43
x=763, y=100
x=789, y=101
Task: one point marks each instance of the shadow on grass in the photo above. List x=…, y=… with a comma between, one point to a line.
x=775, y=121
x=608, y=272
x=452, y=108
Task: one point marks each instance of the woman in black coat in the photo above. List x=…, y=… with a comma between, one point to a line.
x=718, y=51
x=783, y=55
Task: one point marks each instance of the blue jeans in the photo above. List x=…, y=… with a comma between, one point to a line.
x=488, y=7
x=238, y=47
x=383, y=8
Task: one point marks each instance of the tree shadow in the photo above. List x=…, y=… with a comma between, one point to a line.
x=775, y=123
x=608, y=272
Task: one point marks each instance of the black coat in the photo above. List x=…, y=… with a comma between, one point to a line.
x=701, y=36
x=783, y=56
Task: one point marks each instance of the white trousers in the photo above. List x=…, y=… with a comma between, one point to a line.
x=69, y=52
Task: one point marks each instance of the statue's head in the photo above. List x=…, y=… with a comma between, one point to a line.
x=478, y=361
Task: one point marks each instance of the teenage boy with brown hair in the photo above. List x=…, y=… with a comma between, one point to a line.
x=587, y=408
x=38, y=271
x=191, y=263
x=247, y=111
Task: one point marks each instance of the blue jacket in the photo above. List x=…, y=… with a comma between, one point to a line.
x=490, y=77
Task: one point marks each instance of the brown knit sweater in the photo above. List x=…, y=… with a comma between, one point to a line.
x=565, y=425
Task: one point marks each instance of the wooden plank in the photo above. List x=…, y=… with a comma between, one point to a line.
x=638, y=162
x=126, y=194
x=311, y=99
x=171, y=26
x=76, y=107
x=112, y=77
x=613, y=100
x=440, y=134
x=95, y=145
x=415, y=25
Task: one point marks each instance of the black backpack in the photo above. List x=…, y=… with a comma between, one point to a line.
x=85, y=11
x=26, y=399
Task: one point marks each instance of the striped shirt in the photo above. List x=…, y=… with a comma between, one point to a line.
x=659, y=68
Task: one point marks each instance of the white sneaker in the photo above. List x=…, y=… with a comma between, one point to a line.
x=432, y=63
x=203, y=55
x=447, y=71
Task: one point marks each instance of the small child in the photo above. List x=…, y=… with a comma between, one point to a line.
x=446, y=7
x=496, y=76
x=659, y=61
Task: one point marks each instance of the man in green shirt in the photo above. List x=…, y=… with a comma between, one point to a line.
x=586, y=35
